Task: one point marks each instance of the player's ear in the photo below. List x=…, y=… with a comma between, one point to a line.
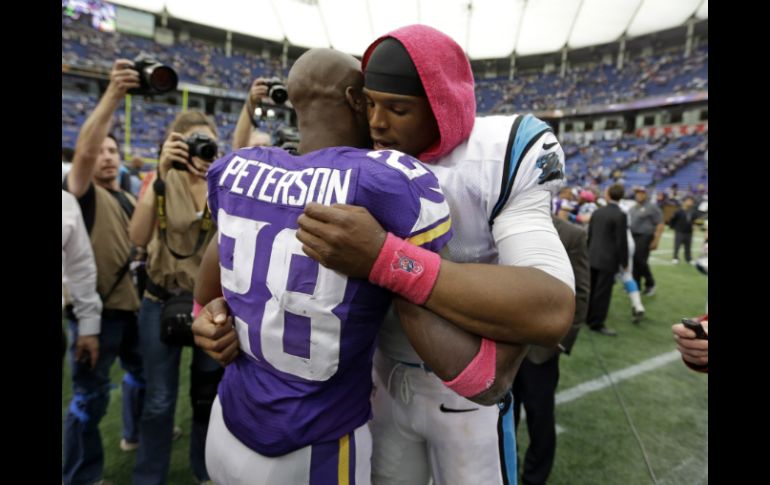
x=355, y=98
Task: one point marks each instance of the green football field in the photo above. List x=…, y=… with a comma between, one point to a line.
x=628, y=410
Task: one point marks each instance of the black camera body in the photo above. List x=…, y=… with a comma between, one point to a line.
x=154, y=77
x=276, y=90
x=287, y=138
x=176, y=320
x=201, y=146
x=286, y=134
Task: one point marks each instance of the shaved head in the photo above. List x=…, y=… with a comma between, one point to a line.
x=326, y=89
x=323, y=74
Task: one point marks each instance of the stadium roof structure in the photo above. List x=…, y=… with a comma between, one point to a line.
x=486, y=29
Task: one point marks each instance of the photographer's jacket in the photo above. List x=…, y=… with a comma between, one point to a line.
x=184, y=225
x=106, y=214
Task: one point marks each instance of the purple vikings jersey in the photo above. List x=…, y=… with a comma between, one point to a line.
x=307, y=333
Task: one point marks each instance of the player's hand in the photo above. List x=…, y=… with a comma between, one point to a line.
x=342, y=237
x=213, y=332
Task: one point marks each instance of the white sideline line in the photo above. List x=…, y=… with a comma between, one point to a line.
x=601, y=382
x=620, y=375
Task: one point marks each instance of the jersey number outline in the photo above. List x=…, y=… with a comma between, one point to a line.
x=329, y=292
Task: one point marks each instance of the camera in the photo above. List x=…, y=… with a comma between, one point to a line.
x=695, y=327
x=176, y=320
x=154, y=77
x=276, y=90
x=286, y=134
x=201, y=146
x=287, y=138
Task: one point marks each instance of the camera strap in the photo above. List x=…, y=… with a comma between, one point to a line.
x=118, y=278
x=160, y=206
x=128, y=207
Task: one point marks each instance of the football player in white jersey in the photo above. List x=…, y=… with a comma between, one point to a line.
x=506, y=281
x=499, y=174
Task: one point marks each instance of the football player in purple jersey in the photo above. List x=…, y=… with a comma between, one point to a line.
x=293, y=407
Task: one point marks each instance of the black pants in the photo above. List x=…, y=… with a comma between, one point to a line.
x=535, y=387
x=601, y=294
x=641, y=255
x=682, y=238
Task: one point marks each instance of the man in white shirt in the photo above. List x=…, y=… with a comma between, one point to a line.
x=78, y=271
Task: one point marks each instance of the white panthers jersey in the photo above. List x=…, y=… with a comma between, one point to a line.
x=507, y=160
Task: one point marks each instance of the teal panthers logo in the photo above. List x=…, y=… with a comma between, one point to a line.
x=551, y=168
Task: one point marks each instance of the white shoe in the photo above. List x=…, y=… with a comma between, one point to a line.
x=674, y=261
x=128, y=445
x=176, y=434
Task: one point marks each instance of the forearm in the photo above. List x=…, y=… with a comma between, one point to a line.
x=243, y=128
x=89, y=142
x=97, y=125
x=526, y=298
x=658, y=233
x=143, y=221
x=504, y=303
x=508, y=361
x=448, y=349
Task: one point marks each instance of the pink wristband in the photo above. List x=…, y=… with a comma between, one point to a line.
x=479, y=375
x=197, y=307
x=406, y=269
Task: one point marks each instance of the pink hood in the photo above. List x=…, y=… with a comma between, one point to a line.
x=448, y=81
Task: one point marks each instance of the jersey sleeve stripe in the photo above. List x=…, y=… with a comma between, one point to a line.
x=507, y=165
x=525, y=132
x=430, y=213
x=432, y=234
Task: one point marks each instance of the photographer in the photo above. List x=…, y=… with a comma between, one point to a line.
x=93, y=180
x=173, y=221
x=243, y=135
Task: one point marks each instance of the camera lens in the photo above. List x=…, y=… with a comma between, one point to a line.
x=208, y=151
x=162, y=79
x=279, y=94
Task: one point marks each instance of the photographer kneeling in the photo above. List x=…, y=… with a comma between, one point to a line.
x=172, y=219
